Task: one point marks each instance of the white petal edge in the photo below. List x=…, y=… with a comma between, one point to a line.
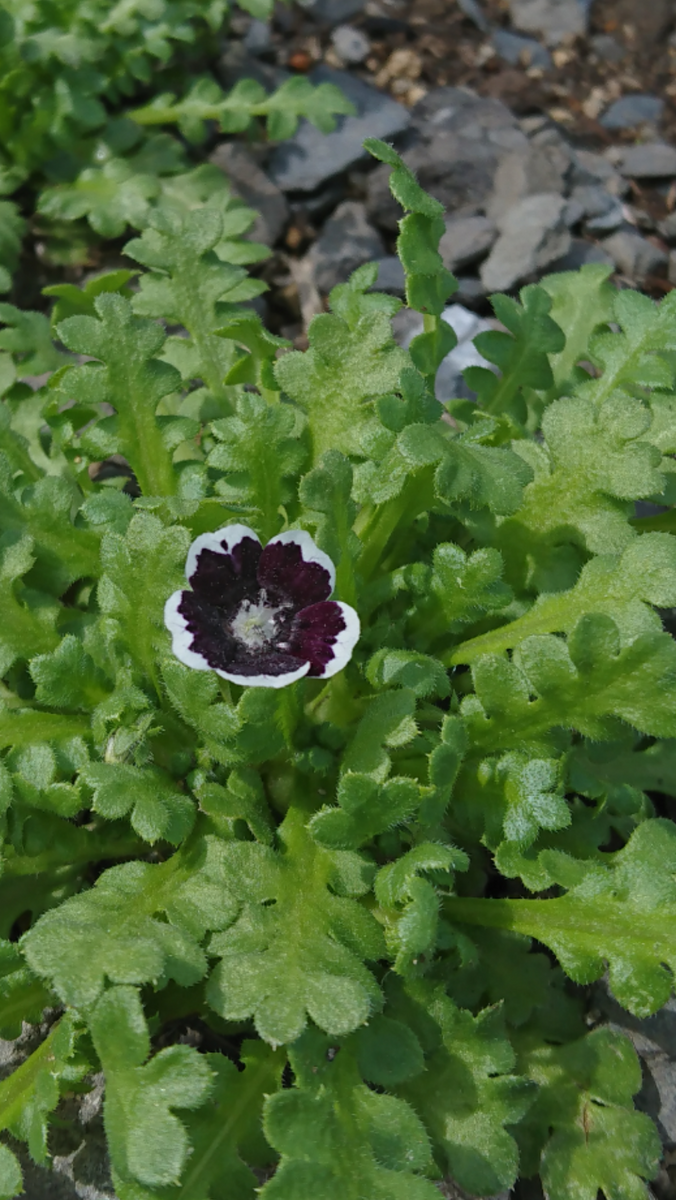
x=345, y=642
x=269, y=681
x=309, y=552
x=181, y=637
x=232, y=535
x=181, y=642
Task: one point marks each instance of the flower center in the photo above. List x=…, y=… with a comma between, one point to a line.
x=255, y=624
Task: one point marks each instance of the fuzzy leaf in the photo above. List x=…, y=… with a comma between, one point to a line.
x=146, y=1140
x=339, y=1140
x=114, y=929
x=303, y=953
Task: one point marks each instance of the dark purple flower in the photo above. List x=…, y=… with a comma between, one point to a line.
x=260, y=616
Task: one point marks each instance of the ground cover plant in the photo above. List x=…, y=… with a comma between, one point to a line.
x=330, y=721
x=82, y=149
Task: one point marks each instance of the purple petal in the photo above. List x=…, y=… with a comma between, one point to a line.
x=325, y=634
x=221, y=566
x=291, y=568
x=207, y=640
x=181, y=637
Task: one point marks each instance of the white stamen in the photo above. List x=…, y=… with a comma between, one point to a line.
x=255, y=624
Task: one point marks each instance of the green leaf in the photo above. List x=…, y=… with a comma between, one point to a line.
x=27, y=336
x=621, y=913
x=424, y=676
x=577, y=685
x=342, y=369
x=411, y=904
x=157, y=807
x=130, y=377
x=72, y=301
x=366, y=809
x=140, y=570
x=11, y=1180
x=302, y=953
x=387, y=723
x=115, y=930
x=258, y=456
x=28, y=625
x=68, y=677
x=146, y=1140
x=32, y=1091
x=521, y=354
x=22, y=996
x=581, y=302
x=620, y=586
x=467, y=1094
x=339, y=1140
x=583, y=1118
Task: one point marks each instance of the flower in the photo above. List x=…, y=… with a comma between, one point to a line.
x=260, y=616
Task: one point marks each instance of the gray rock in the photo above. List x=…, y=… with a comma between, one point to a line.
x=310, y=158
x=603, y=212
x=667, y=227
x=654, y=160
x=607, y=48
x=470, y=290
x=254, y=187
x=633, y=110
x=237, y=63
x=350, y=44
x=391, y=276
x=634, y=255
x=466, y=241
x=346, y=241
x=533, y=234
x=554, y=19
x=454, y=145
x=258, y=38
x=655, y=1042
x=588, y=167
x=515, y=49
x=333, y=12
x=472, y=10
x=581, y=252
x=536, y=169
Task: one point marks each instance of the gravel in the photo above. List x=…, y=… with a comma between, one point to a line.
x=350, y=44
x=533, y=234
x=466, y=241
x=654, y=160
x=311, y=158
x=520, y=51
x=346, y=241
x=554, y=19
x=255, y=188
x=629, y=111
x=634, y=255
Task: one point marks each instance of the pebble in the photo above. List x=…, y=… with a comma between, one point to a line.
x=554, y=19
x=346, y=241
x=533, y=234
x=530, y=171
x=589, y=167
x=634, y=255
x=391, y=276
x=333, y=12
x=667, y=227
x=671, y=270
x=629, y=111
x=605, y=46
x=350, y=44
x=654, y=160
x=580, y=254
x=466, y=240
x=258, y=38
x=310, y=158
x=255, y=188
x=476, y=14
x=454, y=145
x=520, y=51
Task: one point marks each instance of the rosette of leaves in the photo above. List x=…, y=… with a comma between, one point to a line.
x=334, y=938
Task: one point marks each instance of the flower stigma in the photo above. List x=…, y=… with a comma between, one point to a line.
x=255, y=624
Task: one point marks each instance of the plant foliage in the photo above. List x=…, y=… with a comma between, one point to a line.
x=377, y=895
